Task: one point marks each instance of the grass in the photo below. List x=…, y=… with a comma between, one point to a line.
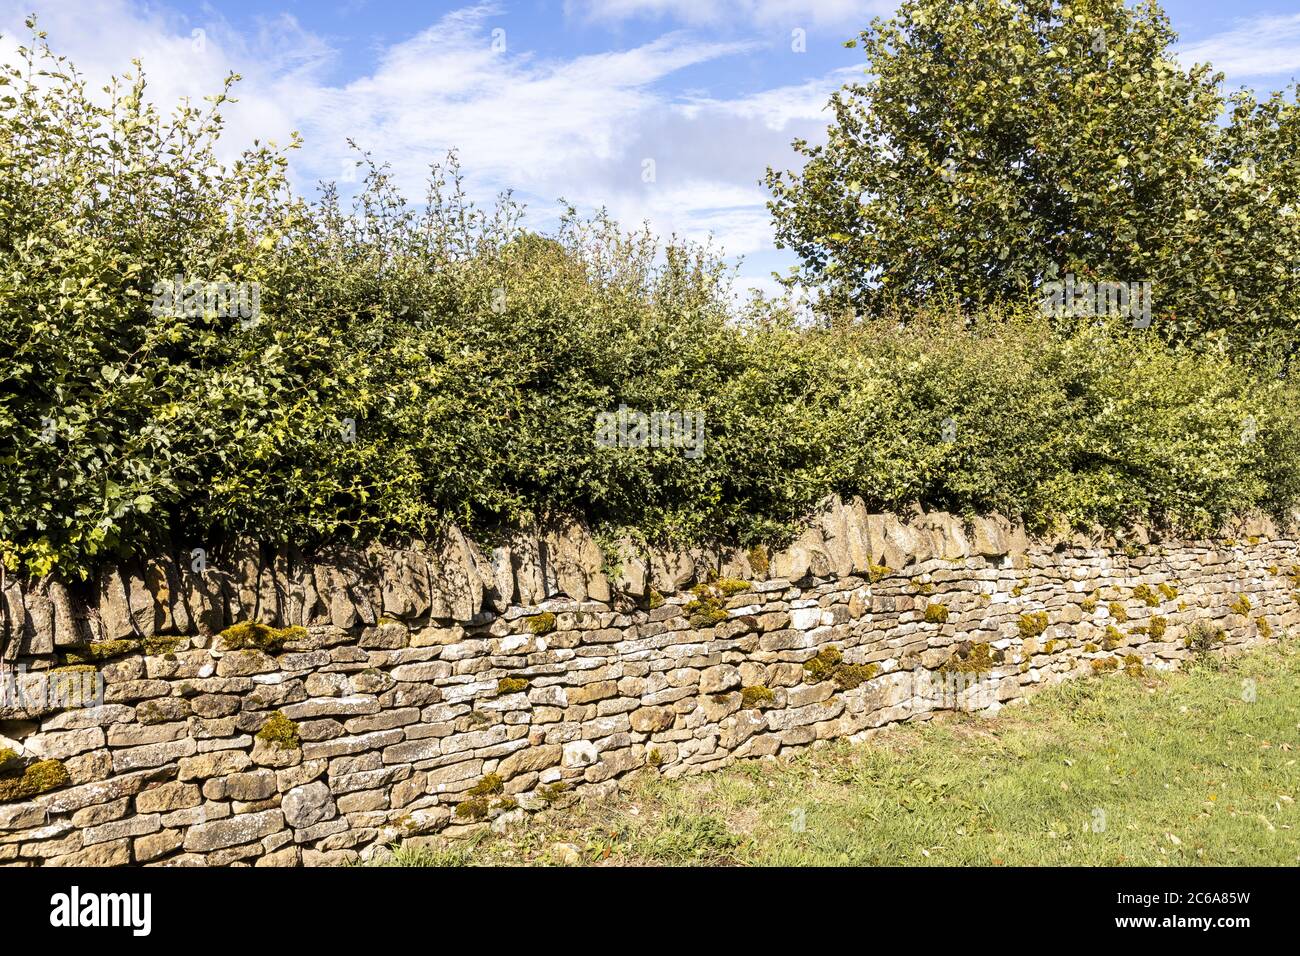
x=1198, y=767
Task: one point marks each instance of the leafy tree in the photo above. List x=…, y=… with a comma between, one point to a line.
x=1000, y=144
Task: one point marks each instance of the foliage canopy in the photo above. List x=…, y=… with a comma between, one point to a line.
x=414, y=364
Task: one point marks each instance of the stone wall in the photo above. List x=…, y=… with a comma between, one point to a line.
x=266, y=708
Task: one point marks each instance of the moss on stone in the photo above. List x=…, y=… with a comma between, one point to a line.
x=877, y=572
x=475, y=808
x=654, y=758
x=252, y=635
x=1118, y=611
x=758, y=559
x=1156, y=627
x=1146, y=595
x=936, y=613
x=1112, y=638
x=1263, y=628
x=549, y=793
x=97, y=651
x=1089, y=604
x=1167, y=591
x=1133, y=666
x=1049, y=647
x=158, y=646
x=756, y=696
x=1033, y=624
x=821, y=667
x=829, y=665
x=969, y=659
x=511, y=685
x=656, y=599
x=1104, y=664
x=1240, y=606
x=730, y=587
x=37, y=778
x=849, y=676
x=705, y=610
x=489, y=785
x=540, y=624
x=280, y=732
x=9, y=760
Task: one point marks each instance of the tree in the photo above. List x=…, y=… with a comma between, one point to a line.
x=998, y=145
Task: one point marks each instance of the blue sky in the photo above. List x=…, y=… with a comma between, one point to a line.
x=556, y=98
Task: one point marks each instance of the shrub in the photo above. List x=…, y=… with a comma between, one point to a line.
x=472, y=356
x=1201, y=638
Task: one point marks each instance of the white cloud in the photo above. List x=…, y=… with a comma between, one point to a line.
x=855, y=14
x=1262, y=46
x=579, y=127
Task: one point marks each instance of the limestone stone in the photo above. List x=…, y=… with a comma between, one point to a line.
x=233, y=831
x=308, y=805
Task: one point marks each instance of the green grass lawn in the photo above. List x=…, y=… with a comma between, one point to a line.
x=1198, y=767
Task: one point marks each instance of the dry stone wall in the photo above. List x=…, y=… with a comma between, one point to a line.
x=272, y=710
